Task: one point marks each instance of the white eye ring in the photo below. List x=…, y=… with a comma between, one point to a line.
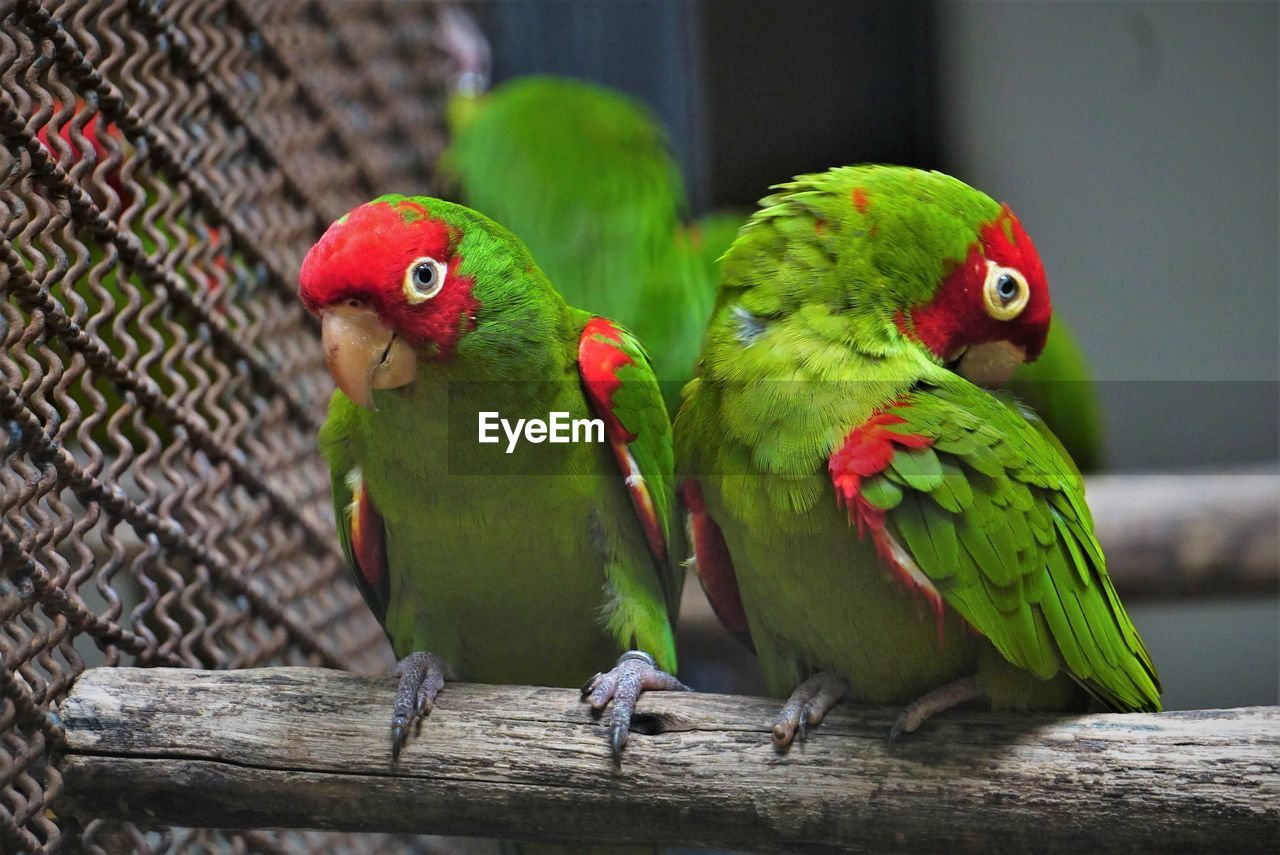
x=423, y=279
x=1005, y=292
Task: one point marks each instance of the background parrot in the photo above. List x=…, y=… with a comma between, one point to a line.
x=585, y=176
x=877, y=522
x=530, y=568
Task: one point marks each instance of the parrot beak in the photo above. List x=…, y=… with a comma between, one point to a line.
x=363, y=355
x=990, y=364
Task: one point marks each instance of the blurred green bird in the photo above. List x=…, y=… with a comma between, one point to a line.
x=584, y=174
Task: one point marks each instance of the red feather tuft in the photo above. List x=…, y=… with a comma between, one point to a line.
x=860, y=200
x=369, y=542
x=715, y=566
x=868, y=450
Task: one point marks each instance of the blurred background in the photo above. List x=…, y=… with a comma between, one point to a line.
x=1136, y=140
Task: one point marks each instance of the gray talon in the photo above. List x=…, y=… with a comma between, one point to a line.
x=422, y=675
x=806, y=708
x=635, y=672
x=618, y=741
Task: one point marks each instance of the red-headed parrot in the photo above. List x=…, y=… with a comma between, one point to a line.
x=878, y=523
x=434, y=319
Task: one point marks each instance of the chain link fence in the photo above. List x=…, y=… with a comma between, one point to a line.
x=165, y=167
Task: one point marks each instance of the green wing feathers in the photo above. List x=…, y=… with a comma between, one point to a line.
x=995, y=518
x=361, y=533
x=623, y=391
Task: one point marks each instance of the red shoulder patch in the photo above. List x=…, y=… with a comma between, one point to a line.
x=600, y=356
x=868, y=450
x=714, y=565
x=369, y=543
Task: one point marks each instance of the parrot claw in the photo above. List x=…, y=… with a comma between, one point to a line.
x=922, y=709
x=422, y=676
x=806, y=707
x=590, y=684
x=634, y=673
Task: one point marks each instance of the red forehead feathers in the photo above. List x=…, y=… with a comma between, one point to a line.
x=364, y=256
x=956, y=318
x=368, y=250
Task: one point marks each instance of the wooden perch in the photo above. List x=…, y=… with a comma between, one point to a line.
x=308, y=748
x=1190, y=534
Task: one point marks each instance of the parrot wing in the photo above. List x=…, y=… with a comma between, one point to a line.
x=361, y=531
x=969, y=504
x=713, y=563
x=623, y=392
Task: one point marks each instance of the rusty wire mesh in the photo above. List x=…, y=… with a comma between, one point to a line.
x=165, y=167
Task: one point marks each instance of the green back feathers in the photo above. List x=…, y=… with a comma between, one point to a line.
x=840, y=227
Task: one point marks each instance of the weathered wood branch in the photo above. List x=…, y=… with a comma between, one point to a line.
x=1190, y=534
x=308, y=748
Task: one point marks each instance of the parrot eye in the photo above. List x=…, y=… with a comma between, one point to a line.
x=423, y=279
x=1005, y=293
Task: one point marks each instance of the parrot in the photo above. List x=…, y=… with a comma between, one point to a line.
x=584, y=174
x=863, y=502
x=99, y=291
x=433, y=315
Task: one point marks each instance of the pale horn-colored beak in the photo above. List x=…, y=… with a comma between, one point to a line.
x=991, y=364
x=363, y=355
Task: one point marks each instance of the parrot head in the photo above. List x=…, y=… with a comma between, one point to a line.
x=990, y=311
x=944, y=264
x=971, y=287
x=395, y=293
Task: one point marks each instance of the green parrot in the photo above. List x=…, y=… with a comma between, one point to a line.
x=585, y=175
x=878, y=522
x=483, y=565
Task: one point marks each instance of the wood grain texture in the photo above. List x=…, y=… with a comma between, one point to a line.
x=308, y=748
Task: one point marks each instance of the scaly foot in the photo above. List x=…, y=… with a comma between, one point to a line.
x=422, y=676
x=806, y=706
x=918, y=712
x=635, y=672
